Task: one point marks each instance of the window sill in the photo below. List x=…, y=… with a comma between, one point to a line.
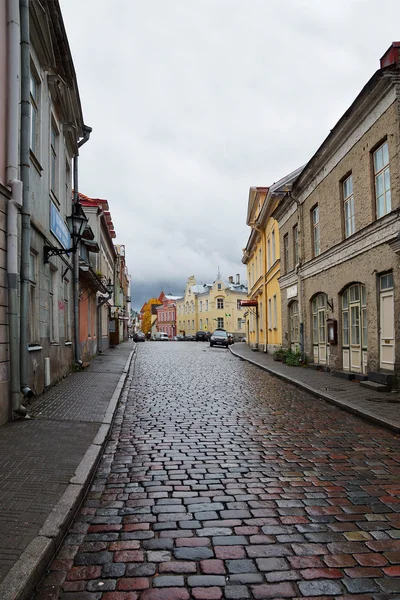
x=36, y=163
x=54, y=198
x=67, y=343
x=34, y=348
x=55, y=343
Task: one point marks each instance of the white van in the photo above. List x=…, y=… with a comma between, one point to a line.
x=161, y=337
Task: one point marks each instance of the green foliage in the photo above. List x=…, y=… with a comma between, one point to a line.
x=293, y=359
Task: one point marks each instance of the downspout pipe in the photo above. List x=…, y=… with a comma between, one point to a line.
x=298, y=270
x=15, y=202
x=25, y=212
x=77, y=351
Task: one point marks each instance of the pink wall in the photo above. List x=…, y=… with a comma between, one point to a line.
x=166, y=317
x=3, y=89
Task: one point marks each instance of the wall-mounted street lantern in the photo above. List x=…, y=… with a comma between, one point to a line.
x=76, y=223
x=110, y=288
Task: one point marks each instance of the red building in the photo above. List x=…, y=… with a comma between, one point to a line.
x=166, y=316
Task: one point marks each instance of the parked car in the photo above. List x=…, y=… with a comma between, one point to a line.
x=190, y=338
x=139, y=336
x=201, y=336
x=161, y=337
x=219, y=338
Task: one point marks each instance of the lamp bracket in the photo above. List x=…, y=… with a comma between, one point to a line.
x=51, y=251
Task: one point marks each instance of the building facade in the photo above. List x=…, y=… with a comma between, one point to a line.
x=264, y=260
x=187, y=322
x=166, y=316
x=341, y=288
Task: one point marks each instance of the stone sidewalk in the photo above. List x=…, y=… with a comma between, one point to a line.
x=47, y=462
x=381, y=408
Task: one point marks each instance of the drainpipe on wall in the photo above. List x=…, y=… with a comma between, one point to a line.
x=15, y=202
x=25, y=213
x=77, y=350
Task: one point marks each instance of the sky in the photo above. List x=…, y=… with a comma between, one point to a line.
x=192, y=102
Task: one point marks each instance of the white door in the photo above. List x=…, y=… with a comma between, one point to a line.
x=355, y=338
x=322, y=356
x=387, y=330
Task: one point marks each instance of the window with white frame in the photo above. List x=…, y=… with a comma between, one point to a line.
x=206, y=305
x=286, y=253
x=382, y=181
x=239, y=323
x=275, y=312
x=201, y=306
x=269, y=313
x=268, y=253
x=54, y=142
x=220, y=322
x=35, y=115
x=238, y=305
x=220, y=303
x=315, y=230
x=296, y=244
x=207, y=323
x=219, y=286
x=348, y=206
x=273, y=246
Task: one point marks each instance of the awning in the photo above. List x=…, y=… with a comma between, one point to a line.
x=249, y=303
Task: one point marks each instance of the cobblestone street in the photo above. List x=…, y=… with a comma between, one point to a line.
x=221, y=481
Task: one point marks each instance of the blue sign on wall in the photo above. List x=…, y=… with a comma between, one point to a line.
x=59, y=228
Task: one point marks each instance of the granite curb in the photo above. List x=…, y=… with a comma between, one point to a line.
x=382, y=421
x=22, y=579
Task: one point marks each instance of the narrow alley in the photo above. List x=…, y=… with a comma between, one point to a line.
x=221, y=481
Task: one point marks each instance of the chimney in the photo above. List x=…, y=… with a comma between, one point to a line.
x=391, y=56
x=230, y=278
x=238, y=279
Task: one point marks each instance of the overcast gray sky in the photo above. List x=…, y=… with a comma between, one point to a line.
x=194, y=101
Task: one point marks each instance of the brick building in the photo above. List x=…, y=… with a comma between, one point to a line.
x=340, y=223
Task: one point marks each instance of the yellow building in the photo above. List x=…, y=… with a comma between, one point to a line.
x=208, y=306
x=262, y=256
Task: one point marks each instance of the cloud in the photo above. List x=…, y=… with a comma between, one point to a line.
x=191, y=103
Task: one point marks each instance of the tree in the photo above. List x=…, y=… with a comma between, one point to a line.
x=146, y=319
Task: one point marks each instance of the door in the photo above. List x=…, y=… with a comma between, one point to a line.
x=355, y=329
x=319, y=329
x=386, y=322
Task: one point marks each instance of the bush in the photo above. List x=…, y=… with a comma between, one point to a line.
x=293, y=359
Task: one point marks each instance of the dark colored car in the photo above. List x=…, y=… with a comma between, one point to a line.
x=201, y=336
x=219, y=338
x=139, y=337
x=190, y=338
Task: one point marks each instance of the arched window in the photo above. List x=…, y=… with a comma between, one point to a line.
x=294, y=325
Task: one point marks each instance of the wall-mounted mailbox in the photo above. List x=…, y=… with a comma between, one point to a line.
x=332, y=330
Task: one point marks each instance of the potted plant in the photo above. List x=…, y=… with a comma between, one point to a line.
x=279, y=354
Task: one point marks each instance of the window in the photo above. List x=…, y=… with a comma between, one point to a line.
x=192, y=325
x=53, y=312
x=275, y=312
x=34, y=101
x=269, y=313
x=260, y=316
x=238, y=305
x=315, y=230
x=294, y=323
x=206, y=323
x=219, y=286
x=268, y=253
x=348, y=199
x=296, y=245
x=32, y=320
x=273, y=246
x=201, y=323
x=220, y=303
x=67, y=328
x=260, y=261
x=206, y=305
x=201, y=306
x=386, y=282
x=220, y=322
x=354, y=316
x=239, y=323
x=54, y=159
x=286, y=253
x=382, y=181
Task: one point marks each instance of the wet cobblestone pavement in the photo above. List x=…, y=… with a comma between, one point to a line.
x=220, y=481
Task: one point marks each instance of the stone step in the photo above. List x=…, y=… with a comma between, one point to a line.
x=381, y=377
x=373, y=385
